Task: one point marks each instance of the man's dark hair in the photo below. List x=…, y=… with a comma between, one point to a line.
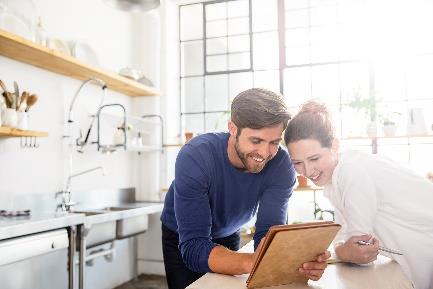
x=257, y=108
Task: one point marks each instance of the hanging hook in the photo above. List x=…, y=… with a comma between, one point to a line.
x=29, y=142
x=35, y=142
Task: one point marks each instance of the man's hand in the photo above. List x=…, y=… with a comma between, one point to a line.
x=352, y=251
x=222, y=260
x=314, y=270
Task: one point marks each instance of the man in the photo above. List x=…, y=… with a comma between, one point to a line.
x=221, y=181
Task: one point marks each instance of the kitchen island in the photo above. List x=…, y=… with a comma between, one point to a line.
x=384, y=273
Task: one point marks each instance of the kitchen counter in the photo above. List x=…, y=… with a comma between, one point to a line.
x=37, y=222
x=72, y=230
x=382, y=274
x=119, y=211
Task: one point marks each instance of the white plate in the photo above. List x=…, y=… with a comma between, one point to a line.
x=59, y=45
x=84, y=52
x=14, y=24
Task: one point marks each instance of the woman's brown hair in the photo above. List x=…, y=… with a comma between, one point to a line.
x=313, y=121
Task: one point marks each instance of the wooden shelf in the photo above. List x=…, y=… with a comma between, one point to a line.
x=23, y=50
x=13, y=132
x=143, y=149
x=387, y=137
x=173, y=145
x=307, y=188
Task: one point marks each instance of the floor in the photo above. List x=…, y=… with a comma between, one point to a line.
x=145, y=281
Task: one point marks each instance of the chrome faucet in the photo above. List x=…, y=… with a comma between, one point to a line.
x=79, y=141
x=67, y=202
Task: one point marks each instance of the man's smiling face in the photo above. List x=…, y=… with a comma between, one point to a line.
x=252, y=149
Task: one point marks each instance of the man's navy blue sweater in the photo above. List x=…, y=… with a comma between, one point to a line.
x=210, y=198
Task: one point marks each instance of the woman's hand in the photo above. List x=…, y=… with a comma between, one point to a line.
x=314, y=270
x=352, y=251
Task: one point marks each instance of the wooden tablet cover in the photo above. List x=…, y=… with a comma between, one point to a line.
x=286, y=248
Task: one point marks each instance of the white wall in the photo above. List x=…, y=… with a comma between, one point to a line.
x=108, y=32
x=120, y=39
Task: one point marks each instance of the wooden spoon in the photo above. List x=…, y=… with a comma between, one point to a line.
x=11, y=99
x=23, y=101
x=3, y=86
x=7, y=102
x=31, y=100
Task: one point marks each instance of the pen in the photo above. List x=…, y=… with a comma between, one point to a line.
x=384, y=249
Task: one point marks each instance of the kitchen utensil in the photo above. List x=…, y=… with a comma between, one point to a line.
x=7, y=102
x=31, y=100
x=11, y=100
x=2, y=104
x=17, y=95
x=23, y=101
x=17, y=90
x=3, y=86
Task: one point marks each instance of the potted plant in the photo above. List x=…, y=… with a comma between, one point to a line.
x=302, y=181
x=389, y=128
x=369, y=106
x=389, y=124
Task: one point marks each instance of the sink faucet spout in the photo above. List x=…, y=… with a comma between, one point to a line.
x=67, y=203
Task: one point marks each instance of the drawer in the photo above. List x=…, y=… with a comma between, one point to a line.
x=20, y=248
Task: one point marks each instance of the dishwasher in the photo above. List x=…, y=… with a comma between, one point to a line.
x=37, y=261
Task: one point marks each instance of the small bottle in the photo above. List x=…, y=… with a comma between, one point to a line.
x=119, y=136
x=40, y=33
x=139, y=140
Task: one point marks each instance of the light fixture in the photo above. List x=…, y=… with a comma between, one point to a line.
x=133, y=5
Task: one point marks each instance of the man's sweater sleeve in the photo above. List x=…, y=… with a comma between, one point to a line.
x=192, y=209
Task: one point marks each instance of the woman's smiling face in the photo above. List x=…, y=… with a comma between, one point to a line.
x=313, y=161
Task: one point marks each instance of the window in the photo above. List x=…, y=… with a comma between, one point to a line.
x=331, y=50
x=226, y=47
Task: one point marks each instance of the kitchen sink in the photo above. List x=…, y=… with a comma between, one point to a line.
x=100, y=229
x=107, y=224
x=129, y=225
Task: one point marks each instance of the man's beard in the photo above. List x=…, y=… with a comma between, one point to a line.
x=244, y=159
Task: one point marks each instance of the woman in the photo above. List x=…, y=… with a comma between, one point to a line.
x=375, y=199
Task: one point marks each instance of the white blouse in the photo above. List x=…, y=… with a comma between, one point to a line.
x=374, y=195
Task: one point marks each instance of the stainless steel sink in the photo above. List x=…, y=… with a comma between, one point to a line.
x=107, y=224
x=129, y=225
x=99, y=229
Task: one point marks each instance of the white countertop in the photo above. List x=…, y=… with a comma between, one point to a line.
x=37, y=222
x=11, y=227
x=382, y=274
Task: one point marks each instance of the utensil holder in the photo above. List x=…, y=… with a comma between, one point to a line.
x=22, y=120
x=9, y=117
